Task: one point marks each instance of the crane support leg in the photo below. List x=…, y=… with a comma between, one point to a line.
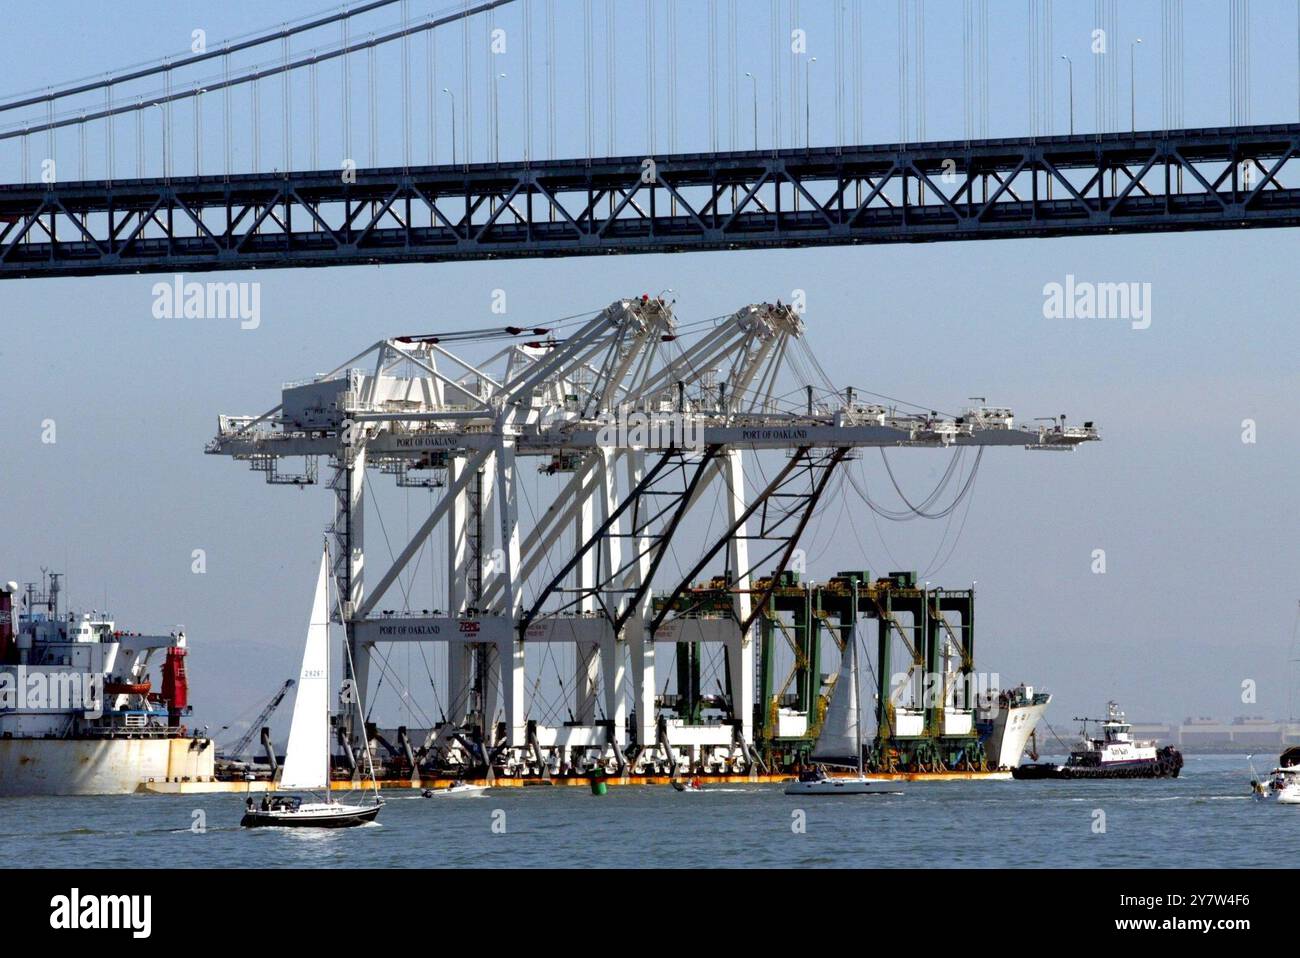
x=458, y=653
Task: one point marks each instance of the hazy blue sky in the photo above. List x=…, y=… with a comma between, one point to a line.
x=1200, y=530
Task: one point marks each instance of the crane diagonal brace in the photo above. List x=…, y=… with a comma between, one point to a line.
x=802, y=456
x=661, y=549
x=760, y=600
x=669, y=456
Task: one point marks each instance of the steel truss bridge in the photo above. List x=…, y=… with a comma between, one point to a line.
x=1224, y=178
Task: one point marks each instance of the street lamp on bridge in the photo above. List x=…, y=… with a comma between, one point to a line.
x=1069, y=64
x=754, y=82
x=807, y=102
x=453, y=124
x=496, y=118
x=162, y=113
x=1132, y=85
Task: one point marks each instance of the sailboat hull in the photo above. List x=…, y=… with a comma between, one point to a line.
x=841, y=786
x=320, y=815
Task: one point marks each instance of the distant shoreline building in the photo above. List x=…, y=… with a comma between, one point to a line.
x=1245, y=733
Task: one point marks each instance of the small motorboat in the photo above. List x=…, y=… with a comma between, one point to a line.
x=290, y=811
x=1289, y=794
x=456, y=790
x=694, y=785
x=1283, y=782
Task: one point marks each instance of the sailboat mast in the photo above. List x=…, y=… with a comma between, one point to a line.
x=857, y=717
x=329, y=795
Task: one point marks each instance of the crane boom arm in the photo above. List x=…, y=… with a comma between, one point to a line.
x=246, y=739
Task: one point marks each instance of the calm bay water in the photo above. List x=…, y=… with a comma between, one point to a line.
x=1205, y=818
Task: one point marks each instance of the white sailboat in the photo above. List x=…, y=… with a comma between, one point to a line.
x=841, y=737
x=307, y=756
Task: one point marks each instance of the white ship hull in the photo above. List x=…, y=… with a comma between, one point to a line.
x=856, y=785
x=1011, y=730
x=98, y=766
x=1287, y=796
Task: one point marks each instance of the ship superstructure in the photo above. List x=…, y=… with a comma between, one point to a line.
x=1007, y=724
x=641, y=429
x=79, y=711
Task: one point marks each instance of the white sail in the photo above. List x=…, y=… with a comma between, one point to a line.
x=838, y=741
x=306, y=758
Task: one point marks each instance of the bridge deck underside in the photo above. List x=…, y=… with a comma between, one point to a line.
x=1228, y=178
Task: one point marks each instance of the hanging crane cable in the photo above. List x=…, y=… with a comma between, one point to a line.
x=919, y=510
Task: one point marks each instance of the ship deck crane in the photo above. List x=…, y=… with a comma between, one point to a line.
x=241, y=746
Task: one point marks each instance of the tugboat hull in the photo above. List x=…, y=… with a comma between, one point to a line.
x=1167, y=764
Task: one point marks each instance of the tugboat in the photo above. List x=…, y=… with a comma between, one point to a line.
x=1114, y=755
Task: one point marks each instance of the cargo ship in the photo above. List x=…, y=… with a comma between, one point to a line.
x=1115, y=754
x=79, y=712
x=1007, y=726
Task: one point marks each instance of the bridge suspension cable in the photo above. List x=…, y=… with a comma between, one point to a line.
x=169, y=96
x=169, y=64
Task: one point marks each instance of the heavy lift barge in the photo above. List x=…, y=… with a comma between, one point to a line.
x=932, y=719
